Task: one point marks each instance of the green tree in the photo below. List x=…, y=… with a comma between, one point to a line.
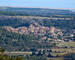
x=19, y=58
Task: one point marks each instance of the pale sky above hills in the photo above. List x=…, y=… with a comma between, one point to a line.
x=39, y=3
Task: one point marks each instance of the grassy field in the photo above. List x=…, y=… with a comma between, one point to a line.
x=70, y=48
x=59, y=58
x=68, y=44
x=61, y=51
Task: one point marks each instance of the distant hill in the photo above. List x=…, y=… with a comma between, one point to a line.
x=34, y=11
x=19, y=17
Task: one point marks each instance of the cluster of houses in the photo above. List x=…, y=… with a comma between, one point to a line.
x=34, y=29
x=47, y=32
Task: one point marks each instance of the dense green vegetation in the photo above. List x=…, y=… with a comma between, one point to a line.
x=18, y=21
x=14, y=40
x=18, y=42
x=59, y=23
x=6, y=57
x=21, y=58
x=64, y=57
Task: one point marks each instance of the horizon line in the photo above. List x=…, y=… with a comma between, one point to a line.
x=37, y=7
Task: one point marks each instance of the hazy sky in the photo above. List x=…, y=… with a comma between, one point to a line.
x=39, y=3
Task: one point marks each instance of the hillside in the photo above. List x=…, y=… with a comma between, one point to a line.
x=34, y=11
x=19, y=21
x=11, y=41
x=41, y=31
